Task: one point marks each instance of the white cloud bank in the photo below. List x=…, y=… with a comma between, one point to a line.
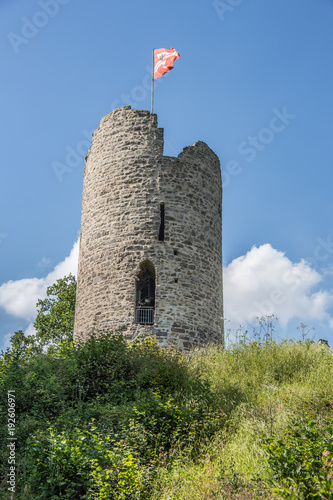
x=19, y=298
x=265, y=282
x=260, y=283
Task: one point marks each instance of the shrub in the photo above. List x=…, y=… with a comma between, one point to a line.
x=300, y=463
x=82, y=464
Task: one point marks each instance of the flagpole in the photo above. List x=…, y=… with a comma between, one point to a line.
x=152, y=83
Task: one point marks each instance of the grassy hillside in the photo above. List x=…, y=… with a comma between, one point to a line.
x=110, y=420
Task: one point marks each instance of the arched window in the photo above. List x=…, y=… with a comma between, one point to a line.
x=145, y=294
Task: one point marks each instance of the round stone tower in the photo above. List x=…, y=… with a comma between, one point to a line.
x=151, y=236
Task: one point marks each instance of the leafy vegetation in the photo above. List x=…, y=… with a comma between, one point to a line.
x=130, y=421
x=302, y=461
x=55, y=318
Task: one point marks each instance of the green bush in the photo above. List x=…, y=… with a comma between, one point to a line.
x=117, y=420
x=144, y=400
x=300, y=463
x=82, y=464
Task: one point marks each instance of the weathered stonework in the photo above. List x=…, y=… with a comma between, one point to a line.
x=143, y=213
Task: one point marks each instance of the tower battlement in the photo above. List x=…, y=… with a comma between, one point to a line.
x=151, y=236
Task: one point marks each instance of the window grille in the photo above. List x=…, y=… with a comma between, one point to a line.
x=145, y=315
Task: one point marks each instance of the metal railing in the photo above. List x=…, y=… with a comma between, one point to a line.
x=145, y=315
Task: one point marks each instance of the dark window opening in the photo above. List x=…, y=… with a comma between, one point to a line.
x=175, y=252
x=145, y=294
x=176, y=280
x=162, y=223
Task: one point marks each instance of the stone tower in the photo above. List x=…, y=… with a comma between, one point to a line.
x=151, y=236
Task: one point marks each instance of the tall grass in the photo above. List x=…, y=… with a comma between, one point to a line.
x=261, y=387
x=137, y=422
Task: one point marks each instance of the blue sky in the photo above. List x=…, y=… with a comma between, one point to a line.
x=254, y=81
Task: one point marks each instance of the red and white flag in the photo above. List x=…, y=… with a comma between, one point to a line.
x=164, y=61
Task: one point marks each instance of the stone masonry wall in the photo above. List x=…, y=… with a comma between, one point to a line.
x=126, y=179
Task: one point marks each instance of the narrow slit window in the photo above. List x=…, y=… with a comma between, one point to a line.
x=162, y=223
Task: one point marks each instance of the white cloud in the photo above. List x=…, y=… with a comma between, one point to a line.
x=260, y=283
x=30, y=330
x=19, y=298
x=265, y=282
